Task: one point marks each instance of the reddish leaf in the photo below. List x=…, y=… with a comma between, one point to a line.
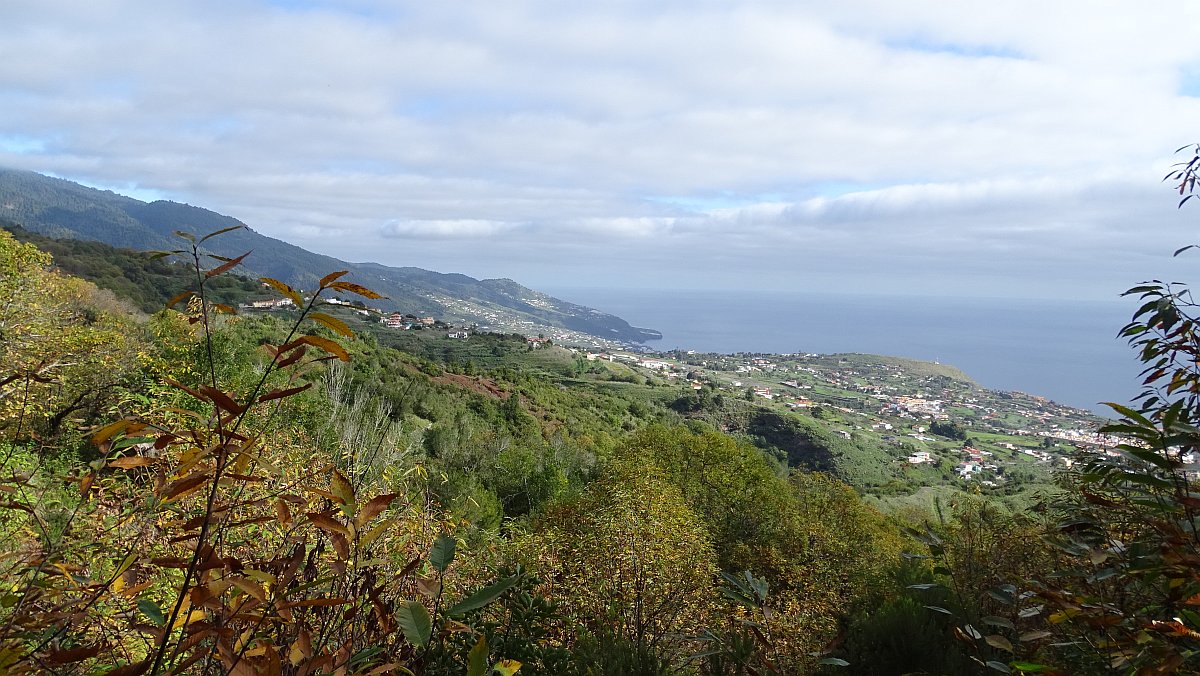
x=185, y=485
x=341, y=546
x=175, y=300
x=129, y=462
x=374, y=507
x=292, y=358
x=170, y=562
x=327, y=524
x=314, y=602
x=283, y=513
x=134, y=669
x=226, y=266
x=185, y=388
x=60, y=657
x=222, y=400
x=279, y=394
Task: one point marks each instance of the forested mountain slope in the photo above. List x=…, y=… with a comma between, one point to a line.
x=62, y=209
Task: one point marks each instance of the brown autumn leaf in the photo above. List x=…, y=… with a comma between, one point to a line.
x=131, y=461
x=429, y=586
x=284, y=289
x=332, y=277
x=250, y=587
x=182, y=295
x=325, y=523
x=292, y=358
x=226, y=266
x=134, y=669
x=61, y=657
x=315, y=602
x=283, y=513
x=189, y=483
x=341, y=546
x=279, y=394
x=356, y=289
x=374, y=507
x=304, y=642
x=222, y=400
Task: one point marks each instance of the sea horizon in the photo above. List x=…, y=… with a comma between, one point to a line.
x=1066, y=351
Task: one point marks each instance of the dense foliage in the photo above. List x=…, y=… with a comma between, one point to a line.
x=301, y=493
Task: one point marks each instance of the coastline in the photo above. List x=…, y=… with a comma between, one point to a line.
x=1066, y=351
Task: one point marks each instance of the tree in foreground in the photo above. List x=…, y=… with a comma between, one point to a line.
x=204, y=538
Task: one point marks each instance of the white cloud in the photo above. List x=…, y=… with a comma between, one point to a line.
x=444, y=229
x=1010, y=145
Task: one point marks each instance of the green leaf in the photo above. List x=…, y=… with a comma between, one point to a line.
x=340, y=486
x=1030, y=666
x=477, y=659
x=736, y=590
x=125, y=564
x=759, y=585
x=939, y=609
x=1130, y=413
x=999, y=666
x=415, y=622
x=835, y=661
x=442, y=553
x=482, y=597
x=151, y=610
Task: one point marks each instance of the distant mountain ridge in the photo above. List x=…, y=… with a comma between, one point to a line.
x=59, y=208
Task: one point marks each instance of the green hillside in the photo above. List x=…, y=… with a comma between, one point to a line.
x=61, y=209
x=312, y=493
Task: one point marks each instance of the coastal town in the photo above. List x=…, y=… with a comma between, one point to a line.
x=931, y=419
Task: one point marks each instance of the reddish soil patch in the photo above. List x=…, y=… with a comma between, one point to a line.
x=480, y=385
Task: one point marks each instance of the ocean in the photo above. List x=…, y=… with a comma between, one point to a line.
x=1067, y=351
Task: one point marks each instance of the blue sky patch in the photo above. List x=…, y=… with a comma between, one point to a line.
x=20, y=144
x=923, y=44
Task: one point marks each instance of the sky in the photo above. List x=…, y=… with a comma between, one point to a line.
x=1011, y=149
